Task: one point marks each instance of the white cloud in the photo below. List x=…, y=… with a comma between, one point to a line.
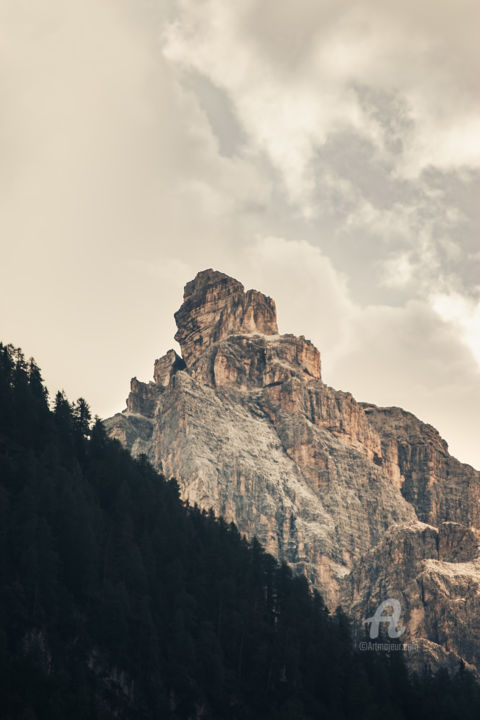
x=311, y=295
x=290, y=96
x=464, y=314
x=398, y=270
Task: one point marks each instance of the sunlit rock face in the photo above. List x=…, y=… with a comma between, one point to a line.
x=365, y=501
x=216, y=306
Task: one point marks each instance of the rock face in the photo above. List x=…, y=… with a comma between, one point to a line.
x=216, y=306
x=365, y=501
x=435, y=574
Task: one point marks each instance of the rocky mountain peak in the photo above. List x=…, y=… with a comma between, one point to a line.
x=210, y=278
x=365, y=501
x=216, y=306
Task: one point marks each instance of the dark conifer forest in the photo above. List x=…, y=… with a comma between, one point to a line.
x=117, y=600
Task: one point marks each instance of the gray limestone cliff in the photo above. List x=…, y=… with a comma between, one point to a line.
x=365, y=501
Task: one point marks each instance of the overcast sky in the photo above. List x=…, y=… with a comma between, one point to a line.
x=324, y=152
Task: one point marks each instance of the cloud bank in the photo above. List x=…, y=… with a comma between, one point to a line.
x=325, y=153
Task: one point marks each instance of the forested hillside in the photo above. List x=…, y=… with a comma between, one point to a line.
x=118, y=601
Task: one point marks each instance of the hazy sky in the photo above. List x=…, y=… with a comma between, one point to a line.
x=324, y=152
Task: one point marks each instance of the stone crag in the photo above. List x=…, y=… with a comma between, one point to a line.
x=365, y=501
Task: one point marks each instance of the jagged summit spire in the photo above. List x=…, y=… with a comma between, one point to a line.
x=215, y=306
x=208, y=278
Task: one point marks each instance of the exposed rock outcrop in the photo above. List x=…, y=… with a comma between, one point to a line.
x=165, y=367
x=216, y=306
x=365, y=501
x=435, y=483
x=435, y=574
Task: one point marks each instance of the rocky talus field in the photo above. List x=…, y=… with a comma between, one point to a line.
x=365, y=501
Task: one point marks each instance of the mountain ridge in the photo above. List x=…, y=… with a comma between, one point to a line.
x=248, y=428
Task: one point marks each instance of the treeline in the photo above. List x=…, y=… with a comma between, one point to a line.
x=119, y=601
